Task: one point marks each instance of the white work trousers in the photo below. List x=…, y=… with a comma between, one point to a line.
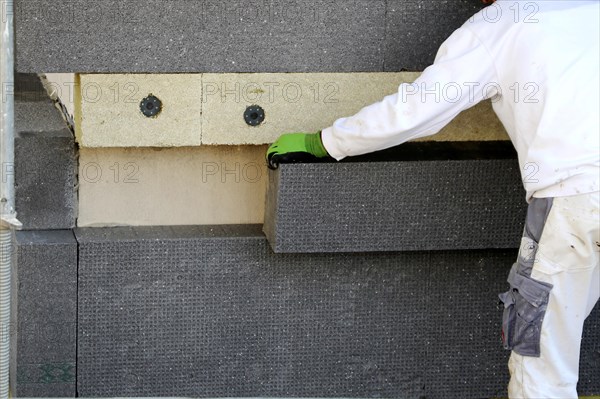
x=567, y=259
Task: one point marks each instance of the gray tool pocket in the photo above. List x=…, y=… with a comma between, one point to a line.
x=524, y=309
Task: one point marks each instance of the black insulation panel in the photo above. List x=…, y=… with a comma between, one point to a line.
x=425, y=205
x=233, y=36
x=213, y=312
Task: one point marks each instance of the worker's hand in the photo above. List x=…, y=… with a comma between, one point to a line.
x=296, y=147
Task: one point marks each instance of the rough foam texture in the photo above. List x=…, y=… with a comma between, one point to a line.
x=28, y=83
x=395, y=206
x=216, y=36
x=416, y=28
x=212, y=312
x=45, y=160
x=45, y=313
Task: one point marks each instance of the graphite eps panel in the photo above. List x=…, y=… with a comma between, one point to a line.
x=45, y=160
x=45, y=314
x=228, y=36
x=211, y=311
x=395, y=206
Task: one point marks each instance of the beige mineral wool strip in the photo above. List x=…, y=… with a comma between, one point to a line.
x=107, y=110
x=209, y=108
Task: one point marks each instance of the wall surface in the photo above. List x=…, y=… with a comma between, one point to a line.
x=176, y=165
x=228, y=36
x=211, y=311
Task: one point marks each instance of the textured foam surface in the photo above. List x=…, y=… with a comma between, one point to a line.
x=416, y=28
x=213, y=312
x=29, y=83
x=45, y=314
x=44, y=161
x=395, y=206
x=217, y=36
x=589, y=383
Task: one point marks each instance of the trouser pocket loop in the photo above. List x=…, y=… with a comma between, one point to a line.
x=508, y=319
x=524, y=309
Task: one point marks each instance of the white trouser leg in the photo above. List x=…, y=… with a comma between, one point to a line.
x=567, y=258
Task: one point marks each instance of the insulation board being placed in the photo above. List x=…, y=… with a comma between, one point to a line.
x=395, y=205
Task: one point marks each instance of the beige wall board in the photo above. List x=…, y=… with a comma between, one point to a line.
x=107, y=110
x=209, y=108
x=293, y=102
x=172, y=186
x=478, y=123
x=297, y=102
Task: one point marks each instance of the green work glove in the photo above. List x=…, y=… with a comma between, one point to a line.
x=296, y=147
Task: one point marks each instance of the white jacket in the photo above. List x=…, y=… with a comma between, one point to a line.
x=537, y=61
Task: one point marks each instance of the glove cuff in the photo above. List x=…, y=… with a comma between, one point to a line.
x=315, y=146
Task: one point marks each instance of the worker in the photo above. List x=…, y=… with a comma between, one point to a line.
x=538, y=62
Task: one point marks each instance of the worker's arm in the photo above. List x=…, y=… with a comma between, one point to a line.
x=462, y=75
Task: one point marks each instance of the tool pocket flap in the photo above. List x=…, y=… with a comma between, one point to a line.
x=534, y=292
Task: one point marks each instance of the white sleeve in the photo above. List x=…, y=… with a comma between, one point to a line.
x=462, y=75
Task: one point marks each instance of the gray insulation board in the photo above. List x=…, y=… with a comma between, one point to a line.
x=45, y=314
x=213, y=312
x=29, y=83
x=45, y=160
x=395, y=206
x=229, y=36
